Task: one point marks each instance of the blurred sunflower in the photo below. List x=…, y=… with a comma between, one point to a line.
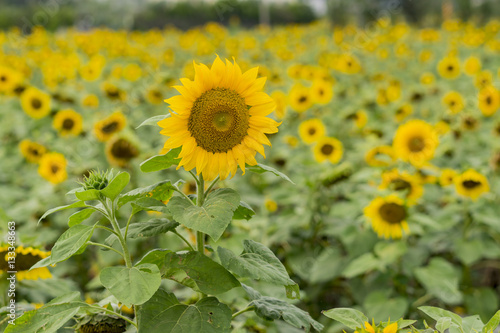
x=91, y=101
x=9, y=80
x=154, y=96
x=447, y=176
x=106, y=128
x=25, y=258
x=388, y=216
x=300, y=98
x=489, y=100
x=403, y=182
x=449, y=67
x=483, y=79
x=472, y=65
x=119, y=151
x=271, y=205
x=454, y=101
x=471, y=184
x=32, y=151
x=280, y=99
x=328, y=149
x=360, y=118
x=322, y=91
x=415, y=142
x=311, y=130
x=469, y=123
x=113, y=92
x=52, y=167
x=35, y=103
x=68, y=122
x=403, y=111
x=219, y=120
x=380, y=156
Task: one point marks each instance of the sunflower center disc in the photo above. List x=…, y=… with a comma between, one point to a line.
x=400, y=185
x=123, y=149
x=36, y=103
x=470, y=184
x=68, y=124
x=327, y=149
x=219, y=120
x=416, y=144
x=392, y=213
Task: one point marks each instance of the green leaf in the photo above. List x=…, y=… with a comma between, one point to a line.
x=155, y=257
x=389, y=252
x=271, y=308
x=493, y=323
x=443, y=324
x=147, y=204
x=441, y=280
x=437, y=313
x=153, y=121
x=379, y=307
x=261, y=168
x=47, y=319
x=116, y=186
x=164, y=314
x=364, y=263
x=77, y=204
x=259, y=263
x=199, y=272
x=212, y=218
x=131, y=286
x=80, y=216
x=472, y=324
x=150, y=228
x=161, y=162
x=71, y=242
x=482, y=301
x=349, y=317
x=160, y=191
x=88, y=195
x=243, y=212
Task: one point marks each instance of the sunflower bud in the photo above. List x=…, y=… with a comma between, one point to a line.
x=96, y=180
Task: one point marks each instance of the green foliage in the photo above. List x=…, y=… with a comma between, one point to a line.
x=161, y=162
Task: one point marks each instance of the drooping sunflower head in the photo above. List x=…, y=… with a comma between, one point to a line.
x=120, y=150
x=471, y=184
x=415, y=142
x=25, y=257
x=219, y=119
x=388, y=216
x=68, y=122
x=32, y=151
x=52, y=167
x=106, y=128
x=35, y=103
x=311, y=130
x=329, y=149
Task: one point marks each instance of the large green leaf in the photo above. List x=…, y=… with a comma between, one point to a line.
x=155, y=257
x=349, y=317
x=164, y=314
x=80, y=216
x=271, y=308
x=256, y=262
x=116, y=186
x=441, y=280
x=150, y=228
x=379, y=307
x=364, y=263
x=71, y=242
x=160, y=191
x=212, y=218
x=261, y=168
x=437, y=313
x=131, y=286
x=161, y=162
x=77, y=204
x=244, y=211
x=199, y=272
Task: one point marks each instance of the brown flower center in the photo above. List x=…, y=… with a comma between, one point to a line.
x=470, y=184
x=36, y=103
x=392, y=213
x=327, y=149
x=416, y=144
x=68, y=124
x=110, y=128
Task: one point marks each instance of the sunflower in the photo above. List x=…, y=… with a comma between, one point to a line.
x=271, y=205
x=104, y=129
x=91, y=101
x=311, y=130
x=469, y=123
x=472, y=66
x=483, y=79
x=390, y=328
x=402, y=182
x=119, y=151
x=403, y=111
x=427, y=78
x=442, y=127
x=154, y=96
x=53, y=168
x=415, y=142
x=471, y=184
x=447, y=176
x=35, y=103
x=281, y=101
x=328, y=149
x=322, y=91
x=300, y=98
x=388, y=216
x=113, y=92
x=68, y=122
x=489, y=100
x=360, y=118
x=454, y=101
x=380, y=156
x=219, y=119
x=24, y=259
x=132, y=72
x=9, y=80
x=449, y=67
x=32, y=151
x=189, y=188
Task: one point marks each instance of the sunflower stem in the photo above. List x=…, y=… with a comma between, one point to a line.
x=236, y=314
x=184, y=239
x=200, y=236
x=106, y=247
x=211, y=185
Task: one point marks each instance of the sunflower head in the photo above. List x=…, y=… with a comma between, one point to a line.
x=415, y=142
x=388, y=216
x=219, y=119
x=35, y=102
x=52, y=167
x=311, y=130
x=68, y=122
x=471, y=184
x=328, y=149
x=25, y=258
x=120, y=150
x=32, y=151
x=96, y=180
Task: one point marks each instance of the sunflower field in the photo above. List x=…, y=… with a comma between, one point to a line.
x=291, y=178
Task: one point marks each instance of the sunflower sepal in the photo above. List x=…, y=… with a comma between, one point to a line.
x=161, y=162
x=262, y=168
